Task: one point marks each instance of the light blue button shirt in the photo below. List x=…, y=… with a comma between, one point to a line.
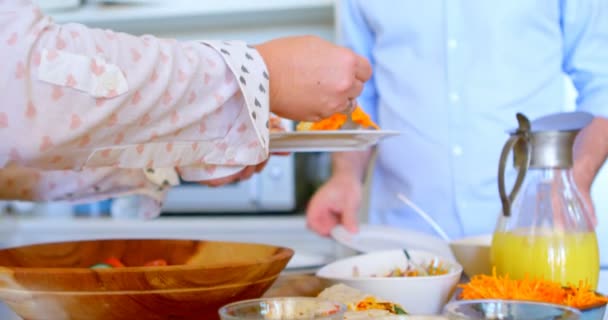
x=451, y=75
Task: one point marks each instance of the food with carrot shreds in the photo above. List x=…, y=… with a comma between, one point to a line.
x=336, y=121
x=537, y=290
x=433, y=268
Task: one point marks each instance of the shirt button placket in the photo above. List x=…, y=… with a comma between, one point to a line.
x=452, y=44
x=453, y=53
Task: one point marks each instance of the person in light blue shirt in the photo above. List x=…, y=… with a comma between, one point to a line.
x=450, y=75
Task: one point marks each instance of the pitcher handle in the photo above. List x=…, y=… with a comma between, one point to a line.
x=507, y=199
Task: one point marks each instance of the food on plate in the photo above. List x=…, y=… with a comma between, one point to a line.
x=303, y=309
x=378, y=315
x=336, y=121
x=359, y=303
x=156, y=263
x=432, y=268
x=113, y=262
x=537, y=290
x=373, y=314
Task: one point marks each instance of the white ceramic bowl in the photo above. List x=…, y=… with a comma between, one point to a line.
x=418, y=295
x=473, y=253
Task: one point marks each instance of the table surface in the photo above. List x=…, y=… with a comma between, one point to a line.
x=308, y=285
x=296, y=285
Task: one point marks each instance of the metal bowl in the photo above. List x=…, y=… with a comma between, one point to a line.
x=508, y=310
x=294, y=308
x=593, y=313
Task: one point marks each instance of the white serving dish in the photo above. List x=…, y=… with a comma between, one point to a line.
x=418, y=295
x=473, y=253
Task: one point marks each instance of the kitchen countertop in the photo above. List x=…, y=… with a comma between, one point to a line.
x=281, y=230
x=290, y=231
x=252, y=21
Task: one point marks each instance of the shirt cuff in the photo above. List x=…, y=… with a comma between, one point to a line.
x=252, y=77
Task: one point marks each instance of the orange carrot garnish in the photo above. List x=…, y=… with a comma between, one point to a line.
x=360, y=117
x=538, y=290
x=336, y=121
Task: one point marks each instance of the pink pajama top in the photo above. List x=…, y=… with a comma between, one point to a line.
x=89, y=114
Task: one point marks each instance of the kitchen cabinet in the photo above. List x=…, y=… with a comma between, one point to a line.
x=251, y=21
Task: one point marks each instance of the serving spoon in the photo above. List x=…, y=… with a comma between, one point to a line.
x=431, y=222
x=416, y=266
x=424, y=216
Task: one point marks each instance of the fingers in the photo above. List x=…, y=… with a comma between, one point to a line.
x=221, y=181
x=275, y=124
x=320, y=216
x=247, y=172
x=261, y=166
x=280, y=153
x=363, y=69
x=321, y=220
x=355, y=89
x=350, y=105
x=244, y=174
x=324, y=213
x=591, y=210
x=349, y=217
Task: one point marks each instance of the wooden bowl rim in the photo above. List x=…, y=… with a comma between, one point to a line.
x=281, y=253
x=139, y=292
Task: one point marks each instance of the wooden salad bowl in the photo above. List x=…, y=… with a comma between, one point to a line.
x=178, y=304
x=55, y=281
x=65, y=266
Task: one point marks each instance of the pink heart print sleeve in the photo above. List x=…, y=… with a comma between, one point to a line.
x=89, y=114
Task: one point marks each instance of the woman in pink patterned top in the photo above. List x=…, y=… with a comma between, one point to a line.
x=89, y=114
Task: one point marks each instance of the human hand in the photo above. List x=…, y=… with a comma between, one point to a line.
x=311, y=78
x=276, y=125
x=584, y=189
x=336, y=202
x=244, y=174
x=586, y=194
x=590, y=154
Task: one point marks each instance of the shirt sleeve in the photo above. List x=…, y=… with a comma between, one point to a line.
x=95, y=98
x=88, y=185
x=355, y=33
x=585, y=32
x=80, y=99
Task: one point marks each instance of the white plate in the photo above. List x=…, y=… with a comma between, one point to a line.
x=380, y=238
x=324, y=140
x=306, y=261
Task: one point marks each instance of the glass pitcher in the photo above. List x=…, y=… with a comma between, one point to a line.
x=544, y=230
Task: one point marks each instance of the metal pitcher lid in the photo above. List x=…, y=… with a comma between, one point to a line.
x=561, y=121
x=549, y=139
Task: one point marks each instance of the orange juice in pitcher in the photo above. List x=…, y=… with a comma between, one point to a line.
x=545, y=229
